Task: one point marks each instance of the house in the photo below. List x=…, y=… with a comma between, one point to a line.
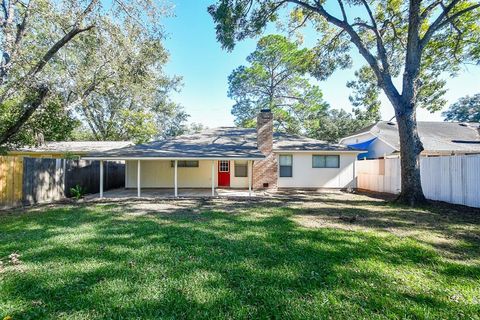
x=229, y=157
x=438, y=138
x=62, y=149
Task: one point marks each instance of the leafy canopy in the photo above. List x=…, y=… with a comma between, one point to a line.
x=466, y=109
x=102, y=61
x=276, y=78
x=449, y=33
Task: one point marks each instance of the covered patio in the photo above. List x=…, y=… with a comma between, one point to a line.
x=198, y=164
x=166, y=193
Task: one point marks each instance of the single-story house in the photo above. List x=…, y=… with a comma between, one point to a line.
x=63, y=149
x=230, y=157
x=439, y=138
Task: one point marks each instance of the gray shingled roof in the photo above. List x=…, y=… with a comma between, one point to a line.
x=435, y=136
x=283, y=141
x=223, y=142
x=77, y=146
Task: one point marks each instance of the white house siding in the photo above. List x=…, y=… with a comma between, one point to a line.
x=238, y=182
x=160, y=174
x=304, y=176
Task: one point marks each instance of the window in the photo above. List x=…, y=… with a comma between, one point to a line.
x=241, y=169
x=326, y=161
x=185, y=164
x=285, y=162
x=224, y=166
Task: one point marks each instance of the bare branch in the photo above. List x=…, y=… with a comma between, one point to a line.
x=429, y=9
x=340, y=3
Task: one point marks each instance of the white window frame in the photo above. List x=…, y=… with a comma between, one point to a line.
x=221, y=168
x=325, y=156
x=280, y=166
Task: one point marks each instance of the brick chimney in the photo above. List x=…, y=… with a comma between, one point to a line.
x=265, y=171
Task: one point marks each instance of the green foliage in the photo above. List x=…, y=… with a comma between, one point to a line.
x=366, y=95
x=78, y=192
x=119, y=83
x=109, y=75
x=276, y=79
x=381, y=38
x=466, y=109
x=50, y=123
x=336, y=124
x=269, y=259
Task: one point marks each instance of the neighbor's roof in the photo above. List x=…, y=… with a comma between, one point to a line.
x=435, y=136
x=217, y=143
x=76, y=146
x=283, y=141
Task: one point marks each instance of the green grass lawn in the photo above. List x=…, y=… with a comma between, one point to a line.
x=225, y=259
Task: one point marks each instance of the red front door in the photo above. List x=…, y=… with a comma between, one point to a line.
x=224, y=173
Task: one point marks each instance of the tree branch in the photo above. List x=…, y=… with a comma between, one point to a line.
x=383, y=77
x=436, y=24
x=342, y=8
x=31, y=106
x=429, y=8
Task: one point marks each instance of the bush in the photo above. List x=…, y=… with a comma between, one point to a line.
x=77, y=192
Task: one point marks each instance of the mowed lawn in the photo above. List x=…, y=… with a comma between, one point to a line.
x=330, y=256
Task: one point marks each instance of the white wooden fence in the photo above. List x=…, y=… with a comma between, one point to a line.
x=454, y=179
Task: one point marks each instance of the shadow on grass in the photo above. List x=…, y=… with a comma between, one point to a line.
x=234, y=260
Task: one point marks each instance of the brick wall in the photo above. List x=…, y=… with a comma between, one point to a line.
x=265, y=171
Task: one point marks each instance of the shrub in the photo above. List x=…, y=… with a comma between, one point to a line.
x=77, y=192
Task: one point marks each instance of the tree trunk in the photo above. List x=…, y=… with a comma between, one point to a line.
x=410, y=148
x=30, y=105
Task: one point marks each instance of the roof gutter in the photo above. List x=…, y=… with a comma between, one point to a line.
x=171, y=158
x=318, y=151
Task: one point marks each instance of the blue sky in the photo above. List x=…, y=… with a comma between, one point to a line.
x=204, y=66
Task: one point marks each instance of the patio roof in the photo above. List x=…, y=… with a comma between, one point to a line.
x=218, y=143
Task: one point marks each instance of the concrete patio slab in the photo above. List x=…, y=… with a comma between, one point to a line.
x=169, y=193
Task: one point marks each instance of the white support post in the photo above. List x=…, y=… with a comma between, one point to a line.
x=176, y=178
x=250, y=171
x=126, y=173
x=139, y=181
x=101, y=178
x=213, y=178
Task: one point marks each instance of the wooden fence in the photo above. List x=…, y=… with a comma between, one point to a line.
x=453, y=179
x=11, y=173
x=38, y=180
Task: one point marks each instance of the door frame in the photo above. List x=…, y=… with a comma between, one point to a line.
x=225, y=173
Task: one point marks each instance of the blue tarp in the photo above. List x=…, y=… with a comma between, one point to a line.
x=362, y=145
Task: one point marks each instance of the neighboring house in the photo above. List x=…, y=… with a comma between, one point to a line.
x=62, y=149
x=438, y=138
x=230, y=157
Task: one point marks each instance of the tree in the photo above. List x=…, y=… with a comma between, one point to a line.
x=51, y=122
x=466, y=109
x=118, y=84
x=24, y=59
x=276, y=79
x=85, y=52
x=334, y=125
x=413, y=40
